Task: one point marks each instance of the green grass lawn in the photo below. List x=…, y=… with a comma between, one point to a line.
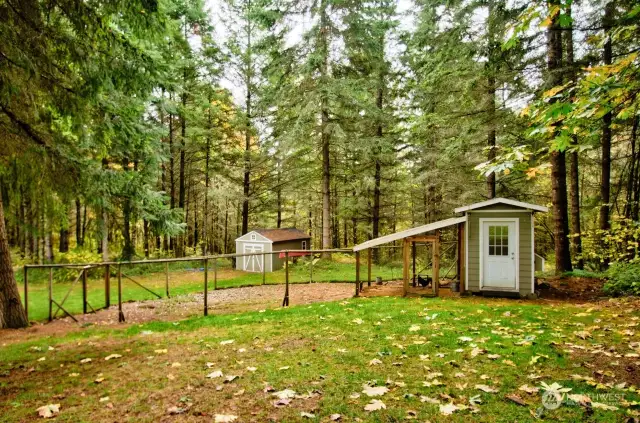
x=184, y=279
x=426, y=358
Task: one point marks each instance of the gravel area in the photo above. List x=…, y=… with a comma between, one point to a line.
x=221, y=301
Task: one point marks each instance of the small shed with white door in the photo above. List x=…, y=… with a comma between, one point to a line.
x=495, y=247
x=259, y=241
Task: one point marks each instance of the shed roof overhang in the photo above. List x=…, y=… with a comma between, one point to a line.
x=409, y=232
x=507, y=201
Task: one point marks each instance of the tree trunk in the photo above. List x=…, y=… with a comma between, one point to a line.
x=558, y=160
x=172, y=179
x=574, y=174
x=491, y=98
x=279, y=195
x=205, y=223
x=324, y=131
x=179, y=248
x=12, y=313
x=79, y=238
x=605, y=181
x=128, y=249
x=105, y=235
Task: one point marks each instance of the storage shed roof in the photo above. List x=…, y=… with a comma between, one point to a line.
x=282, y=234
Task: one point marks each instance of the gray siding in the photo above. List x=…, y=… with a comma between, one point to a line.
x=525, y=275
x=240, y=250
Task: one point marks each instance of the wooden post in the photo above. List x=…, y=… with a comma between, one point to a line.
x=461, y=257
x=26, y=293
x=107, y=285
x=84, y=291
x=206, y=287
x=311, y=270
x=120, y=313
x=413, y=266
x=405, y=266
x=215, y=274
x=369, y=256
x=358, y=284
x=285, y=302
x=50, y=293
x=264, y=267
x=166, y=279
x=436, y=264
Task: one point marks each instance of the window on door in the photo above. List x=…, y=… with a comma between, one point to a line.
x=498, y=240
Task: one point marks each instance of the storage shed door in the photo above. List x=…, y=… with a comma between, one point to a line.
x=253, y=263
x=499, y=254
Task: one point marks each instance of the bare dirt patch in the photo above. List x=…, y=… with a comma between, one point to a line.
x=575, y=289
x=221, y=301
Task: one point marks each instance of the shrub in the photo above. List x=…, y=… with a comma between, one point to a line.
x=623, y=279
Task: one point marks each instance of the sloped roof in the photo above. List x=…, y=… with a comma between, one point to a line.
x=409, y=232
x=507, y=201
x=282, y=234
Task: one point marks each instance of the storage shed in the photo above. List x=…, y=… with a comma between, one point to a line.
x=260, y=241
x=495, y=247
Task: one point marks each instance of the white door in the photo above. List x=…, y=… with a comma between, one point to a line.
x=253, y=263
x=499, y=255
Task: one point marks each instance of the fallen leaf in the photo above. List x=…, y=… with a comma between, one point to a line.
x=307, y=415
x=285, y=393
x=109, y=357
x=529, y=389
x=85, y=360
x=227, y=342
x=48, y=411
x=215, y=374
x=375, y=362
x=175, y=410
x=374, y=405
x=374, y=391
x=225, y=418
x=516, y=398
x=486, y=388
x=448, y=409
x=335, y=417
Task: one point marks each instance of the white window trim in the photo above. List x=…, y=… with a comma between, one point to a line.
x=517, y=251
x=304, y=245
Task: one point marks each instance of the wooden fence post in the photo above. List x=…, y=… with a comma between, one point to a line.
x=436, y=264
x=166, y=279
x=26, y=293
x=84, y=291
x=358, y=284
x=285, y=302
x=311, y=269
x=50, y=293
x=107, y=285
x=413, y=265
x=206, y=287
x=369, y=257
x=120, y=313
x=264, y=267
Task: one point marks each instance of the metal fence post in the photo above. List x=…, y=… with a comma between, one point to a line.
x=166, y=278
x=120, y=313
x=206, y=286
x=107, y=285
x=26, y=293
x=50, y=293
x=285, y=302
x=84, y=291
x=215, y=274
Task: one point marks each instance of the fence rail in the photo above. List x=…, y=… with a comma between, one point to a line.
x=85, y=267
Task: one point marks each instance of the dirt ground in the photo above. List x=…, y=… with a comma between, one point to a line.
x=221, y=301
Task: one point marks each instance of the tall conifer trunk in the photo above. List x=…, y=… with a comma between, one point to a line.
x=491, y=68
x=558, y=159
x=324, y=130
x=574, y=174
x=605, y=181
x=12, y=313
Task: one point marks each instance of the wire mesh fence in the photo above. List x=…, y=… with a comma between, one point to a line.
x=55, y=290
